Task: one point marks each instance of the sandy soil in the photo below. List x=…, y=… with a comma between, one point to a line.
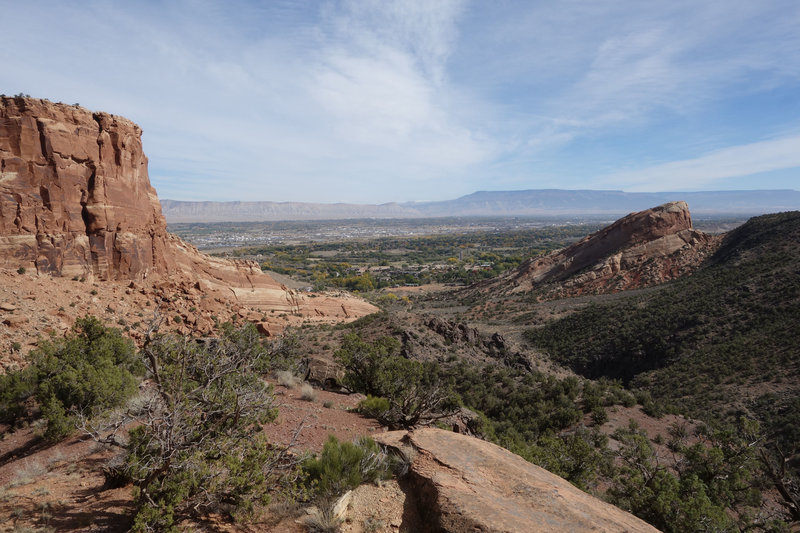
x=58, y=486
x=327, y=414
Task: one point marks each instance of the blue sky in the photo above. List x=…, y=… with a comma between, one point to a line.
x=375, y=101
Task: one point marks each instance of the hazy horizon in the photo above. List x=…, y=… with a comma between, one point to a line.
x=422, y=201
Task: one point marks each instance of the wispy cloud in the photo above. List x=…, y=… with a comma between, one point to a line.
x=591, y=67
x=380, y=81
x=712, y=169
x=375, y=100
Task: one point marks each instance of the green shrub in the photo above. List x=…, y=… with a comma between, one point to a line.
x=599, y=415
x=91, y=370
x=627, y=399
x=373, y=406
x=650, y=406
x=345, y=465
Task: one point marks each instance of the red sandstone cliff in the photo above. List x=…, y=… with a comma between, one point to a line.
x=639, y=250
x=75, y=198
x=76, y=201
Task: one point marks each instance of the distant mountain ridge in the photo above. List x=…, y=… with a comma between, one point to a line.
x=534, y=202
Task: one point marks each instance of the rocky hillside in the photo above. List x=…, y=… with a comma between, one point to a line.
x=642, y=249
x=76, y=203
x=719, y=343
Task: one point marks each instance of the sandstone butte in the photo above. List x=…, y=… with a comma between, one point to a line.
x=462, y=483
x=639, y=250
x=76, y=202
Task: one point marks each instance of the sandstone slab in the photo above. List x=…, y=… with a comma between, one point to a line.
x=465, y=484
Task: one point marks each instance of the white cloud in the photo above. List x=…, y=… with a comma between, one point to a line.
x=379, y=100
x=712, y=169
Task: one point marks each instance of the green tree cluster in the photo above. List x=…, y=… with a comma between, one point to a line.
x=714, y=486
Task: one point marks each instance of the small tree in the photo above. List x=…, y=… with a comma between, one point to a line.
x=364, y=362
x=415, y=394
x=201, y=445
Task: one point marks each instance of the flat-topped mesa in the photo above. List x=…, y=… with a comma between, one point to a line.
x=641, y=249
x=75, y=198
x=76, y=201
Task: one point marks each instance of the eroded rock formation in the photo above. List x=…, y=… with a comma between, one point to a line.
x=639, y=250
x=76, y=202
x=75, y=198
x=466, y=484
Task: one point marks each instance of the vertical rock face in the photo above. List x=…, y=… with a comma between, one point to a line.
x=75, y=198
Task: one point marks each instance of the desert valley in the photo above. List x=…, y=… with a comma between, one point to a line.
x=630, y=374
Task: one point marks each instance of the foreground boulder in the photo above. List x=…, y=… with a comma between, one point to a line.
x=642, y=249
x=466, y=484
x=76, y=202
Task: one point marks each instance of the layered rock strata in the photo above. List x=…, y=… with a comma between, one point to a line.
x=639, y=250
x=75, y=198
x=76, y=202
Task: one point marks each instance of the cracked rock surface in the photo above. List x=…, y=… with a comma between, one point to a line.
x=466, y=484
